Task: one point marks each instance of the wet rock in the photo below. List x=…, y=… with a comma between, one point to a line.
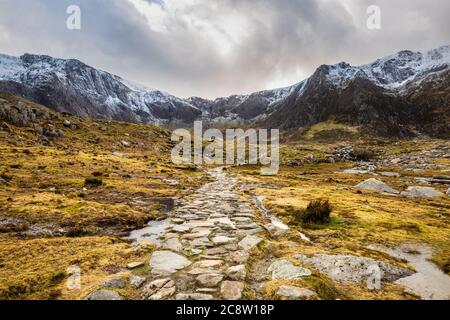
x=249, y=242
x=167, y=262
x=237, y=273
x=114, y=283
x=293, y=292
x=104, y=295
x=348, y=268
x=173, y=244
x=375, y=185
x=193, y=296
x=286, y=270
x=231, y=290
x=137, y=281
x=209, y=280
x=426, y=192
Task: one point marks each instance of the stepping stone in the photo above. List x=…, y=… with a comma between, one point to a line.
x=222, y=240
x=197, y=271
x=181, y=228
x=231, y=290
x=177, y=221
x=237, y=273
x=206, y=290
x=199, y=234
x=293, y=292
x=167, y=262
x=286, y=270
x=249, y=242
x=239, y=257
x=201, y=242
x=173, y=244
x=209, y=279
x=163, y=293
x=208, y=264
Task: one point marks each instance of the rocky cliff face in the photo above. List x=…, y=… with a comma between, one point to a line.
x=399, y=95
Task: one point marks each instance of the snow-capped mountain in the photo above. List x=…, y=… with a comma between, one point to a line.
x=71, y=86
x=400, y=94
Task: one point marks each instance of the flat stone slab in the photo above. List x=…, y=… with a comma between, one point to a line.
x=222, y=240
x=209, y=279
x=375, y=185
x=167, y=262
x=286, y=270
x=249, y=242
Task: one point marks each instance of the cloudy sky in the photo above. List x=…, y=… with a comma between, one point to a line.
x=214, y=48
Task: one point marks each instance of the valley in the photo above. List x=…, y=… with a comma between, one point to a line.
x=72, y=189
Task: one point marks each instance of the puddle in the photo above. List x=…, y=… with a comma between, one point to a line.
x=429, y=282
x=151, y=232
x=266, y=213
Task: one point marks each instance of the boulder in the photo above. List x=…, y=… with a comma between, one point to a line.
x=426, y=192
x=375, y=185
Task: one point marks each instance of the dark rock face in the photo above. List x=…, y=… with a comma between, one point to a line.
x=73, y=87
x=401, y=95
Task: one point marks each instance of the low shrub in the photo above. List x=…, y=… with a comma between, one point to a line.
x=317, y=212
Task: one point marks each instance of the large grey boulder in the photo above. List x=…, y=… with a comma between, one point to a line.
x=347, y=268
x=426, y=192
x=375, y=185
x=167, y=262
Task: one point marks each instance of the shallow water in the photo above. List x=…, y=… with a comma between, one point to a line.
x=151, y=232
x=266, y=213
x=429, y=282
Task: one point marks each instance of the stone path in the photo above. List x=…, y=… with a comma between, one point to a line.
x=205, y=248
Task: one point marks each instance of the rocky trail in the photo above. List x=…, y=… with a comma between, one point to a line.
x=203, y=253
x=205, y=245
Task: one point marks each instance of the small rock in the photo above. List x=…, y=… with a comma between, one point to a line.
x=113, y=283
x=193, y=296
x=104, y=295
x=125, y=143
x=209, y=280
x=173, y=244
x=448, y=191
x=164, y=293
x=375, y=185
x=293, y=292
x=135, y=265
x=237, y=273
x=208, y=264
x=222, y=240
x=239, y=257
x=427, y=192
x=67, y=123
x=231, y=290
x=284, y=269
x=137, y=281
x=389, y=174
x=2, y=181
x=249, y=242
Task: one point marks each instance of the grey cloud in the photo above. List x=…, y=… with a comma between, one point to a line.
x=282, y=38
